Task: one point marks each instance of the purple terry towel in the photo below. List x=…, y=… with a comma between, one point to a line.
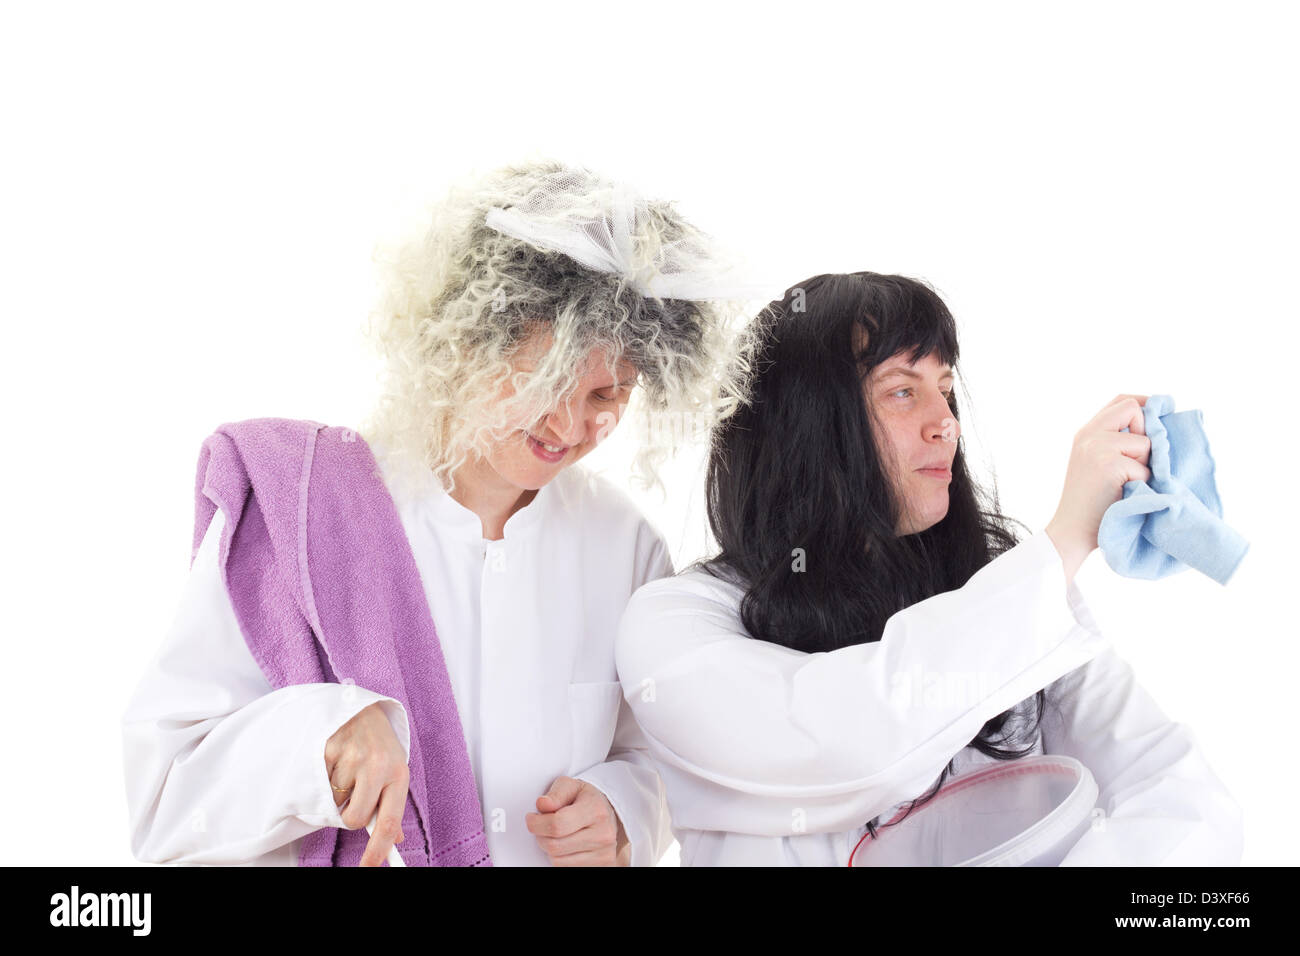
x=325, y=587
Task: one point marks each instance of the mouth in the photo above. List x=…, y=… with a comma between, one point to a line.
x=937, y=471
x=545, y=451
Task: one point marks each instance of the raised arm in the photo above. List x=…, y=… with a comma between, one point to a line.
x=748, y=732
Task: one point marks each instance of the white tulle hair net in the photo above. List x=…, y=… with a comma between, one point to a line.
x=601, y=224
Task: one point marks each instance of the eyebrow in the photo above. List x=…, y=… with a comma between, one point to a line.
x=628, y=384
x=910, y=374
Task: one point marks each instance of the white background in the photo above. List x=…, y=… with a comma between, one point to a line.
x=1104, y=193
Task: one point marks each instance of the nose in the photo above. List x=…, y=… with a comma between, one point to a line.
x=569, y=428
x=943, y=425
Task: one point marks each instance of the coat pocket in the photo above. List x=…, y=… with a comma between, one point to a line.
x=593, y=714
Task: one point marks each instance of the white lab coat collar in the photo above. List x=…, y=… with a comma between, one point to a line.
x=454, y=519
x=456, y=522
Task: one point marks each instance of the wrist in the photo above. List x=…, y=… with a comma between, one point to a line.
x=1072, y=548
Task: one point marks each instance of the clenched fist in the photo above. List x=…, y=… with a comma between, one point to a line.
x=576, y=826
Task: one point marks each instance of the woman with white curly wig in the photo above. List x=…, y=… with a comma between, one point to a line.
x=410, y=629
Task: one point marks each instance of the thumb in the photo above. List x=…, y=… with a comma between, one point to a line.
x=562, y=793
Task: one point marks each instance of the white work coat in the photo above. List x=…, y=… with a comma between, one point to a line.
x=221, y=769
x=776, y=757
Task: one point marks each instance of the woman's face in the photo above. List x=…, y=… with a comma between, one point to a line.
x=911, y=415
x=535, y=452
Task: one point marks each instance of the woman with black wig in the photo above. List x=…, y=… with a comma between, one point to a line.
x=871, y=626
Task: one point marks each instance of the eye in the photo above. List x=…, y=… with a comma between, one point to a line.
x=610, y=394
x=948, y=395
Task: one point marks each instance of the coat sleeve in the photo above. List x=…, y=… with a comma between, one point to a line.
x=1161, y=803
x=752, y=737
x=221, y=769
x=628, y=777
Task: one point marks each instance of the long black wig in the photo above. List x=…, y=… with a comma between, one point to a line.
x=798, y=467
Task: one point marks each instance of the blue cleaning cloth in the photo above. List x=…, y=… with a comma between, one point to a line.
x=1176, y=521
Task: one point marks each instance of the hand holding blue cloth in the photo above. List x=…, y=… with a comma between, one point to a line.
x=1176, y=521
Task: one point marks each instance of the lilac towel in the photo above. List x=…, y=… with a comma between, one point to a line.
x=326, y=589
